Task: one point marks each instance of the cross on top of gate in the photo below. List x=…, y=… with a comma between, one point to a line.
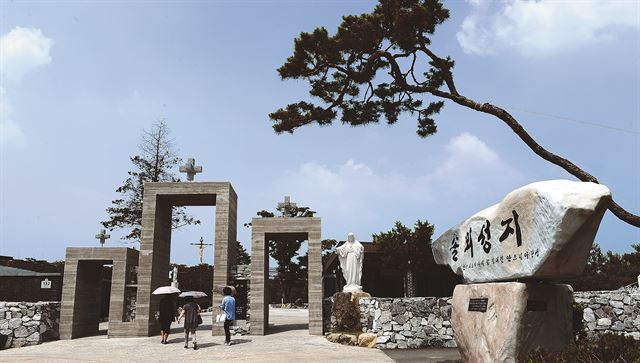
x=190, y=168
x=102, y=236
x=286, y=207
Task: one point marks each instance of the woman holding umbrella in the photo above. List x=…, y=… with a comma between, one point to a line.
x=167, y=316
x=191, y=315
x=167, y=310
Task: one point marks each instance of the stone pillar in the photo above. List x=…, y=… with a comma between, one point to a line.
x=122, y=263
x=153, y=268
x=80, y=311
x=224, y=252
x=497, y=322
x=259, y=276
x=315, y=282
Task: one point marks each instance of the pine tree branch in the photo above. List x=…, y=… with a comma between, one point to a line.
x=519, y=130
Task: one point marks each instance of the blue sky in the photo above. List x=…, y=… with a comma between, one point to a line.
x=81, y=80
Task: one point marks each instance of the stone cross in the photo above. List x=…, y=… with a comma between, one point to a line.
x=190, y=168
x=286, y=206
x=102, y=236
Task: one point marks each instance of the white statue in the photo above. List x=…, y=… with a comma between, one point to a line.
x=351, y=254
x=174, y=281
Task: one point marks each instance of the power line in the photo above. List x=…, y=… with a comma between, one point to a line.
x=577, y=121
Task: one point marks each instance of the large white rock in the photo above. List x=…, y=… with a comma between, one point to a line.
x=543, y=230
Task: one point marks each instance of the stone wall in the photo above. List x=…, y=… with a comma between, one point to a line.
x=424, y=321
x=29, y=323
x=408, y=322
x=610, y=312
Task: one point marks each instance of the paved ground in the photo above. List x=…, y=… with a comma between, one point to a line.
x=288, y=341
x=432, y=355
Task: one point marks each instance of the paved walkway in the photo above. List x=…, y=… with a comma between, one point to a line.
x=289, y=341
x=427, y=355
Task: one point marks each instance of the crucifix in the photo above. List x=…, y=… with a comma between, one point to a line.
x=190, y=168
x=286, y=207
x=103, y=236
x=201, y=245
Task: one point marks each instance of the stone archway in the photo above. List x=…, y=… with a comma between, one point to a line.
x=308, y=228
x=80, y=310
x=155, y=246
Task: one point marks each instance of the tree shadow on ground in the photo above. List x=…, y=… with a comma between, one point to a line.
x=274, y=329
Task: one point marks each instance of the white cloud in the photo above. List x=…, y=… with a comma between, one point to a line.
x=22, y=50
x=544, y=27
x=354, y=197
x=467, y=153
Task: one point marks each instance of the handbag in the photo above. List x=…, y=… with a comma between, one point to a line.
x=221, y=318
x=199, y=319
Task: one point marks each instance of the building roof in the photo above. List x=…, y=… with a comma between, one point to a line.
x=6, y=271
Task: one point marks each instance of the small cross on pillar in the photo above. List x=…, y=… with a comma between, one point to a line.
x=286, y=206
x=103, y=236
x=190, y=168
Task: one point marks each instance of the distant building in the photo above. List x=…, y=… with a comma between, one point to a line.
x=381, y=281
x=17, y=284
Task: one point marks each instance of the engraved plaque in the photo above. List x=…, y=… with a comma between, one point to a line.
x=478, y=304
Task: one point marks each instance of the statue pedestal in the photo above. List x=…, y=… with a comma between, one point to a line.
x=496, y=322
x=346, y=309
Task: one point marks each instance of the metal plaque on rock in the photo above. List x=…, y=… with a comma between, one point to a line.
x=478, y=304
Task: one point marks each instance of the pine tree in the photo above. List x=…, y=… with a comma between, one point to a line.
x=155, y=162
x=381, y=64
x=407, y=250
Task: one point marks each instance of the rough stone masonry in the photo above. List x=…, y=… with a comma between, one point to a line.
x=425, y=321
x=29, y=323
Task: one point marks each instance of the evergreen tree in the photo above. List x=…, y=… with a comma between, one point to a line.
x=609, y=271
x=381, y=64
x=155, y=162
x=406, y=250
x=242, y=257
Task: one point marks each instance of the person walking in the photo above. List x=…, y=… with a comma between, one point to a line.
x=228, y=306
x=191, y=315
x=167, y=314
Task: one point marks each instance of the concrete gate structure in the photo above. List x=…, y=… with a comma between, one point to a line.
x=279, y=228
x=155, y=246
x=80, y=308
